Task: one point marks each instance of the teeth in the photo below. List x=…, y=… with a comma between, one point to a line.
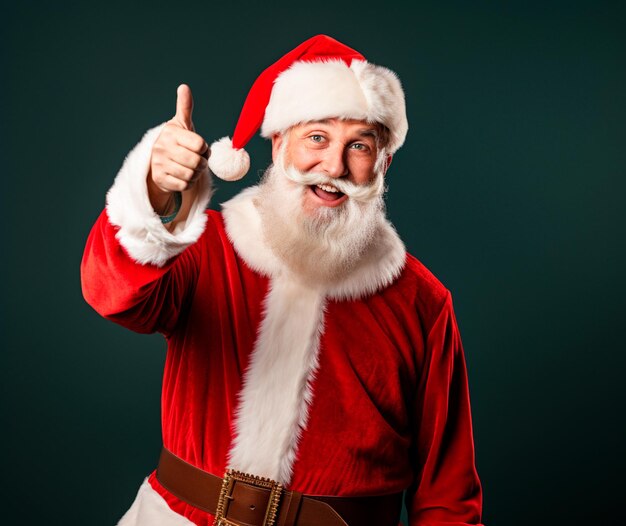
x=328, y=188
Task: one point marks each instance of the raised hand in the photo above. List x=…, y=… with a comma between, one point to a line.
x=178, y=155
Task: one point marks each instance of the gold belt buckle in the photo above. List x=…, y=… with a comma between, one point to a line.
x=225, y=497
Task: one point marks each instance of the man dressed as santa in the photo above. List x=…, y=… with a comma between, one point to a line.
x=315, y=371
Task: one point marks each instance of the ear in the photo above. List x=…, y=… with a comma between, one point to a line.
x=277, y=140
x=388, y=163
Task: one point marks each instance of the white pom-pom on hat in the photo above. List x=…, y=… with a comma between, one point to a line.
x=226, y=162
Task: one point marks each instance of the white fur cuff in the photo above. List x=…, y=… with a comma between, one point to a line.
x=141, y=232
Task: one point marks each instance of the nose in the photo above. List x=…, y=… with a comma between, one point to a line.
x=334, y=162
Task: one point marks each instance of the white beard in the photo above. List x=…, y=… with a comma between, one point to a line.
x=323, y=247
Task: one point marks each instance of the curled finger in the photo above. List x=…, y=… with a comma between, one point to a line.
x=174, y=184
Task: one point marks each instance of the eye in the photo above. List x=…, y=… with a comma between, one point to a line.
x=316, y=138
x=359, y=146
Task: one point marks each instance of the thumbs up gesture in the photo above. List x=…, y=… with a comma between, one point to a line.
x=179, y=155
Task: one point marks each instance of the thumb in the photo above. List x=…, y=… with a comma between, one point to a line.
x=184, y=107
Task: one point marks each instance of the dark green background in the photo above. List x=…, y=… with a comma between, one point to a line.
x=510, y=188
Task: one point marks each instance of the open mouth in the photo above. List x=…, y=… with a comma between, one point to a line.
x=327, y=192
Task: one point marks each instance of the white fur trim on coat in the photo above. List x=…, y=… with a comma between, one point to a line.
x=310, y=91
x=141, y=232
x=150, y=509
x=276, y=393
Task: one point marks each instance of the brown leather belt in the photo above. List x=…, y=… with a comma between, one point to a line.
x=240, y=499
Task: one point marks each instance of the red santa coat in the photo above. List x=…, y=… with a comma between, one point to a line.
x=359, y=388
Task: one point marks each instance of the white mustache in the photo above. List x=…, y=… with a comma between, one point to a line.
x=358, y=192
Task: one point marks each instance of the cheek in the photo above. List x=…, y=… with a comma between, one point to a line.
x=362, y=170
x=303, y=159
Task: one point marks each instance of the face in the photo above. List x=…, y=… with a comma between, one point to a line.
x=339, y=149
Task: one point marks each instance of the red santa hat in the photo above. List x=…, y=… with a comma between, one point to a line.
x=320, y=79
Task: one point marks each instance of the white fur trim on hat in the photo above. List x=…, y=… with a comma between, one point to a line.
x=226, y=162
x=310, y=91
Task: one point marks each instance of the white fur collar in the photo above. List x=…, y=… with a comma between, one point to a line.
x=377, y=269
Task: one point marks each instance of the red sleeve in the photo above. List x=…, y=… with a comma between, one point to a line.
x=143, y=298
x=447, y=490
